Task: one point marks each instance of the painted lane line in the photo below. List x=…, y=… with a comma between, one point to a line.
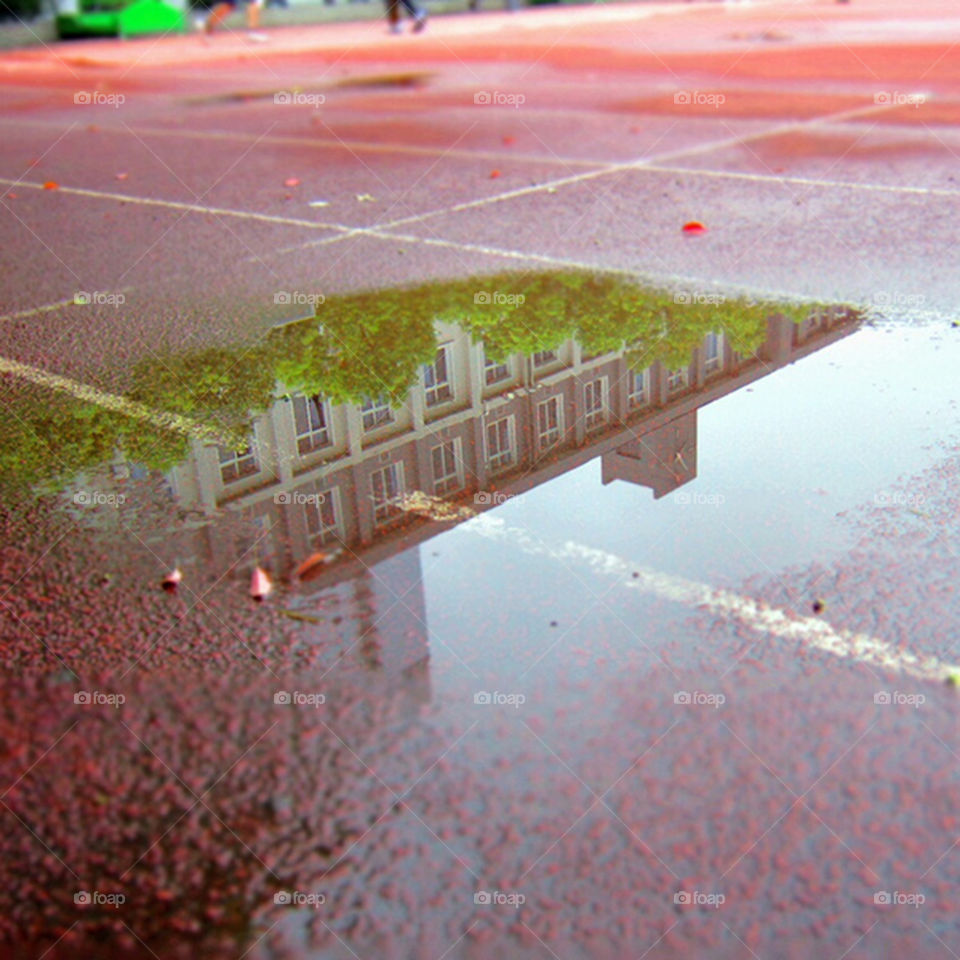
x=64, y=304
x=770, y=621
x=806, y=181
x=111, y=401
x=374, y=230
x=654, y=279
x=549, y=185
x=635, y=165
x=43, y=308
x=632, y=166
x=180, y=205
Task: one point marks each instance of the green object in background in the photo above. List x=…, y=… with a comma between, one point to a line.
x=114, y=18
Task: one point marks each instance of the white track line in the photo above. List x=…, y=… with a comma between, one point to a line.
x=770, y=621
x=627, y=167
x=549, y=185
x=631, y=166
x=51, y=307
x=43, y=308
x=805, y=181
x=658, y=280
x=111, y=401
x=82, y=391
x=178, y=205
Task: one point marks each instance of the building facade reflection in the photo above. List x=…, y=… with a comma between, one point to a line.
x=317, y=476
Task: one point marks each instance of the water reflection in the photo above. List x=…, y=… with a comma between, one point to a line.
x=357, y=434
x=331, y=423
x=476, y=430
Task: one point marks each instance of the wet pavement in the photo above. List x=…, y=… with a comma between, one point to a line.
x=416, y=543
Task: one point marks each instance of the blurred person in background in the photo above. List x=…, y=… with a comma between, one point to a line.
x=393, y=15
x=223, y=8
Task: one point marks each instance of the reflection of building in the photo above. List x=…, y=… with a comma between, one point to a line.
x=316, y=474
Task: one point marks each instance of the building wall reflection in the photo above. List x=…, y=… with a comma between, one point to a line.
x=322, y=476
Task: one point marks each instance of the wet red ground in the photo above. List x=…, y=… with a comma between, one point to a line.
x=819, y=814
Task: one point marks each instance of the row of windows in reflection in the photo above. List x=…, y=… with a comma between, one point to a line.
x=313, y=430
x=312, y=414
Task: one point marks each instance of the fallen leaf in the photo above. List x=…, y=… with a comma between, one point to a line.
x=313, y=565
x=51, y=185
x=291, y=182
x=121, y=176
x=494, y=174
x=260, y=585
x=694, y=227
x=296, y=615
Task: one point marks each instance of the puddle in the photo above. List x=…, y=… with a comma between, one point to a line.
x=311, y=94
x=566, y=590
x=379, y=422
